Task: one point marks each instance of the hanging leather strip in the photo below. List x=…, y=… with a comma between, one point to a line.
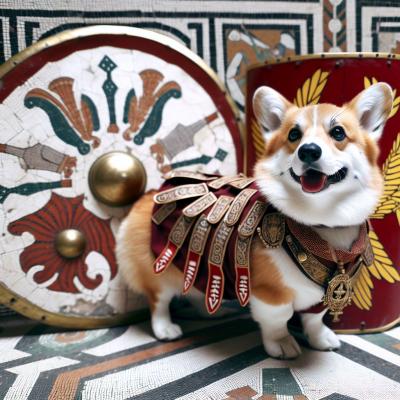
x=199, y=205
x=180, y=193
x=241, y=183
x=197, y=244
x=246, y=230
x=175, y=240
x=163, y=212
x=218, y=183
x=215, y=284
x=242, y=257
x=238, y=205
x=219, y=209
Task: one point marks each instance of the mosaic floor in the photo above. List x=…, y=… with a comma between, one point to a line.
x=216, y=359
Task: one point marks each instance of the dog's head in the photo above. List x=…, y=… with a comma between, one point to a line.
x=320, y=161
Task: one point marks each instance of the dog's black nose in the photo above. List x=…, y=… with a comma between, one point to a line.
x=309, y=152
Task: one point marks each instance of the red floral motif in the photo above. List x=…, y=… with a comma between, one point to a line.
x=58, y=214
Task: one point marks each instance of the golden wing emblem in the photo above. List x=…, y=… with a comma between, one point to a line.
x=312, y=88
x=396, y=102
x=381, y=268
x=390, y=199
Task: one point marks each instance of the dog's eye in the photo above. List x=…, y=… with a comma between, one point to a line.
x=338, y=133
x=294, y=134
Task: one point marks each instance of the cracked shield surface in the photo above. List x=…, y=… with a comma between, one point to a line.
x=73, y=98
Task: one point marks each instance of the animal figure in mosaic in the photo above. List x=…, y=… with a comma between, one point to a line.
x=294, y=234
x=71, y=124
x=251, y=50
x=148, y=109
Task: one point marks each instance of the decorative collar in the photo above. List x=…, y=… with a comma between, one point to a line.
x=336, y=270
x=311, y=241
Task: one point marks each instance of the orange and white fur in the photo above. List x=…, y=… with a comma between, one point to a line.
x=306, y=150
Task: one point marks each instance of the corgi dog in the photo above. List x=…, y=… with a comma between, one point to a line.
x=319, y=170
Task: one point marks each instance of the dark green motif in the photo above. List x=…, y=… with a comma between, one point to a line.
x=60, y=125
x=110, y=88
x=204, y=159
x=131, y=96
x=71, y=124
x=153, y=122
x=144, y=113
x=93, y=111
x=27, y=189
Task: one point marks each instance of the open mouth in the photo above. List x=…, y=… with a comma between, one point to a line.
x=313, y=181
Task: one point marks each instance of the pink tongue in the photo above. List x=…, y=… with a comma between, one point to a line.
x=313, y=181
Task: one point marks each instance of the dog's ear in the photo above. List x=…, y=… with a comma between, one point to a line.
x=269, y=107
x=372, y=108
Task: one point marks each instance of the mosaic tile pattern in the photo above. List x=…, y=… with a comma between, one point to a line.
x=53, y=128
x=215, y=359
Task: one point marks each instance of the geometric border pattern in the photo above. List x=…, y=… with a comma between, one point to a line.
x=199, y=25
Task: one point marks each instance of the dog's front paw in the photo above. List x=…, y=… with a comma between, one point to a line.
x=164, y=330
x=323, y=339
x=284, y=348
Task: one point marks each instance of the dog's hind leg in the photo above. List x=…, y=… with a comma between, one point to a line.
x=319, y=336
x=136, y=259
x=277, y=340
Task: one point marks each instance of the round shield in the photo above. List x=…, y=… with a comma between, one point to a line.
x=337, y=78
x=90, y=119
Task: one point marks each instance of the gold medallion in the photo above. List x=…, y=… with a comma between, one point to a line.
x=338, y=294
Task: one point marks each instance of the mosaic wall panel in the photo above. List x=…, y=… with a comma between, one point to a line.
x=229, y=35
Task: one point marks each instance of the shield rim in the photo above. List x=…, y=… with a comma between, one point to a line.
x=323, y=56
